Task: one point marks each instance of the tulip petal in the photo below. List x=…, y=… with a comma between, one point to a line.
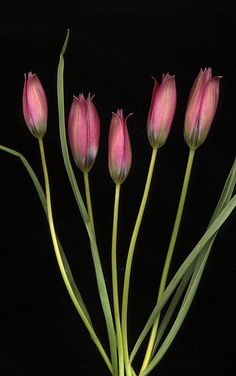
x=34, y=103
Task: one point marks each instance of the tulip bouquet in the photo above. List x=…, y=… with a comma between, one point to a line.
x=79, y=138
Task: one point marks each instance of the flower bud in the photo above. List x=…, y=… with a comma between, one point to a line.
x=83, y=132
x=35, y=108
x=162, y=110
x=119, y=148
x=201, y=108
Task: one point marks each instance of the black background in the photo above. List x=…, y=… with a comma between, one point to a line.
x=114, y=49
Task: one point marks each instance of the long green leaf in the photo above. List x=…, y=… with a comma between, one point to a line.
x=227, y=191
x=178, y=321
x=81, y=309
x=44, y=204
x=202, y=258
x=171, y=309
x=93, y=245
x=192, y=288
x=217, y=223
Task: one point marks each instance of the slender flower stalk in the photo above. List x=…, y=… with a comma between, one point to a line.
x=160, y=118
x=119, y=163
x=60, y=262
x=169, y=256
x=115, y=281
x=88, y=199
x=130, y=259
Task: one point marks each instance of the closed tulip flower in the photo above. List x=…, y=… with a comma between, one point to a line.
x=162, y=110
x=35, y=108
x=201, y=108
x=83, y=132
x=119, y=148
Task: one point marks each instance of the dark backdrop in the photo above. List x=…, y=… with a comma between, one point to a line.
x=114, y=49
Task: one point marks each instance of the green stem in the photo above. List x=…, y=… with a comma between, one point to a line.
x=129, y=262
x=60, y=262
x=88, y=199
x=115, y=281
x=169, y=255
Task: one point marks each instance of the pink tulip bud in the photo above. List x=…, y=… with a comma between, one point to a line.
x=83, y=131
x=201, y=108
x=35, y=108
x=162, y=110
x=119, y=148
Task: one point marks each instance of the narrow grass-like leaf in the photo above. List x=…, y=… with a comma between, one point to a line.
x=178, y=321
x=31, y=173
x=42, y=197
x=224, y=199
x=79, y=303
x=171, y=309
x=213, y=228
x=93, y=245
x=227, y=191
x=168, y=315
